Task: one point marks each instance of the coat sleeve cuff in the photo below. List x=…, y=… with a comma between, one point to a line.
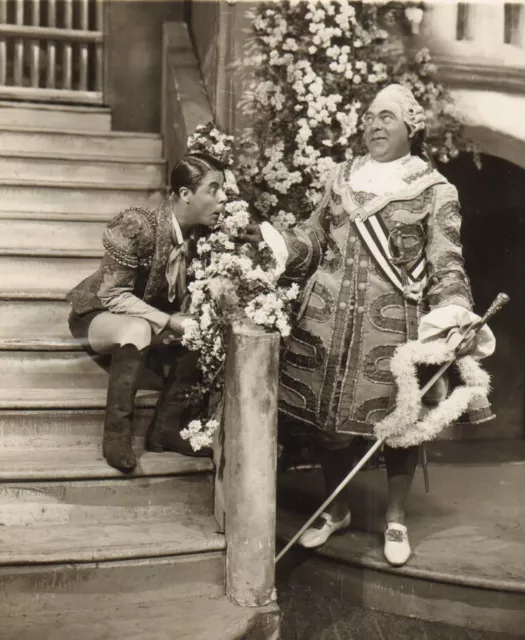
x=277, y=244
x=441, y=322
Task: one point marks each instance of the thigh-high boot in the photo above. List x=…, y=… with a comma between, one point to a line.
x=127, y=364
x=172, y=414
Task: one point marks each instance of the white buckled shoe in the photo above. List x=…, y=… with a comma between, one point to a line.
x=397, y=548
x=321, y=529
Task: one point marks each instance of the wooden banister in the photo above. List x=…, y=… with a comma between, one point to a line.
x=184, y=100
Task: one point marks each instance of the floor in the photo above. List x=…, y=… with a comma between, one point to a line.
x=310, y=616
x=471, y=526
x=468, y=531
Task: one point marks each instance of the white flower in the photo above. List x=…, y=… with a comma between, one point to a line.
x=200, y=435
x=283, y=220
x=290, y=45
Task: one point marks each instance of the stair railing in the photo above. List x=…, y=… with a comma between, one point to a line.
x=52, y=50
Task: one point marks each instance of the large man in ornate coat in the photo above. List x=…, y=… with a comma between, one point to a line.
x=381, y=250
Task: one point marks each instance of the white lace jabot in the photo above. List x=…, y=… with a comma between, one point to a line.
x=385, y=177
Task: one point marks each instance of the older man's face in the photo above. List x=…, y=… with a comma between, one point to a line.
x=386, y=134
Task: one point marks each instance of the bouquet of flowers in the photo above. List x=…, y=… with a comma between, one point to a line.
x=232, y=281
x=313, y=67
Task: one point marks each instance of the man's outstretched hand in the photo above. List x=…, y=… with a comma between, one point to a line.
x=252, y=234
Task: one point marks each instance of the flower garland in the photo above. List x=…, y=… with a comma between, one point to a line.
x=313, y=66
x=231, y=281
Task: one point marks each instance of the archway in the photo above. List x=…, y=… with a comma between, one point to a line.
x=493, y=232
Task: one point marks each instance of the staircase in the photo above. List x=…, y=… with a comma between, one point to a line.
x=84, y=551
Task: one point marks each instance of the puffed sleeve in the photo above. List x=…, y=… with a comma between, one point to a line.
x=129, y=241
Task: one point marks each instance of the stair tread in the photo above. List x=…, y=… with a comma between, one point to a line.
x=59, y=216
x=72, y=185
x=46, y=106
x=42, y=296
x=83, y=132
x=202, y=617
x=57, y=398
x=39, y=344
x=85, y=542
x=58, y=295
x=87, y=463
x=35, y=252
x=73, y=157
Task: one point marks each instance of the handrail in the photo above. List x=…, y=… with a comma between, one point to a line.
x=185, y=102
x=50, y=33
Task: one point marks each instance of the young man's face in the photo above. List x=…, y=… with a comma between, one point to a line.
x=208, y=199
x=386, y=134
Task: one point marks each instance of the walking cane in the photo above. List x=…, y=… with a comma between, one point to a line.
x=463, y=341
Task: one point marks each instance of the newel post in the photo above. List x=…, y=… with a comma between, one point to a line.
x=250, y=457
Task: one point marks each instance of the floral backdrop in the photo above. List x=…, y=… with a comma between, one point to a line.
x=313, y=67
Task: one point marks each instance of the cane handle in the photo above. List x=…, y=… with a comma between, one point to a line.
x=499, y=302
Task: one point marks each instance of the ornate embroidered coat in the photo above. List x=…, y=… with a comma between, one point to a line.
x=335, y=367
x=132, y=274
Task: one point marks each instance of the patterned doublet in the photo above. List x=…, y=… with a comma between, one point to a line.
x=137, y=244
x=130, y=237
x=335, y=371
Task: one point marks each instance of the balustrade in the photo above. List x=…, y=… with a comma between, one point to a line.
x=52, y=50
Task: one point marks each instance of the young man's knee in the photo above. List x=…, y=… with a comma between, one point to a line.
x=136, y=332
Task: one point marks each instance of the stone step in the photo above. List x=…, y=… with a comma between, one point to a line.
x=39, y=370
x=113, y=501
x=51, y=237
x=70, y=372
x=134, y=536
x=60, y=169
x=59, y=216
x=69, y=197
x=166, y=604
x=82, y=143
x=43, y=276
x=63, y=430
x=33, y=320
x=47, y=116
x=71, y=463
x=65, y=397
x=62, y=588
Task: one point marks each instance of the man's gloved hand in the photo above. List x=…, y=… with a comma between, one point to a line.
x=451, y=322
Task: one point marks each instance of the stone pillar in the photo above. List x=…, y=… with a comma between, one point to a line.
x=250, y=455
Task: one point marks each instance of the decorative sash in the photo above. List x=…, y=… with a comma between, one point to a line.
x=376, y=236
